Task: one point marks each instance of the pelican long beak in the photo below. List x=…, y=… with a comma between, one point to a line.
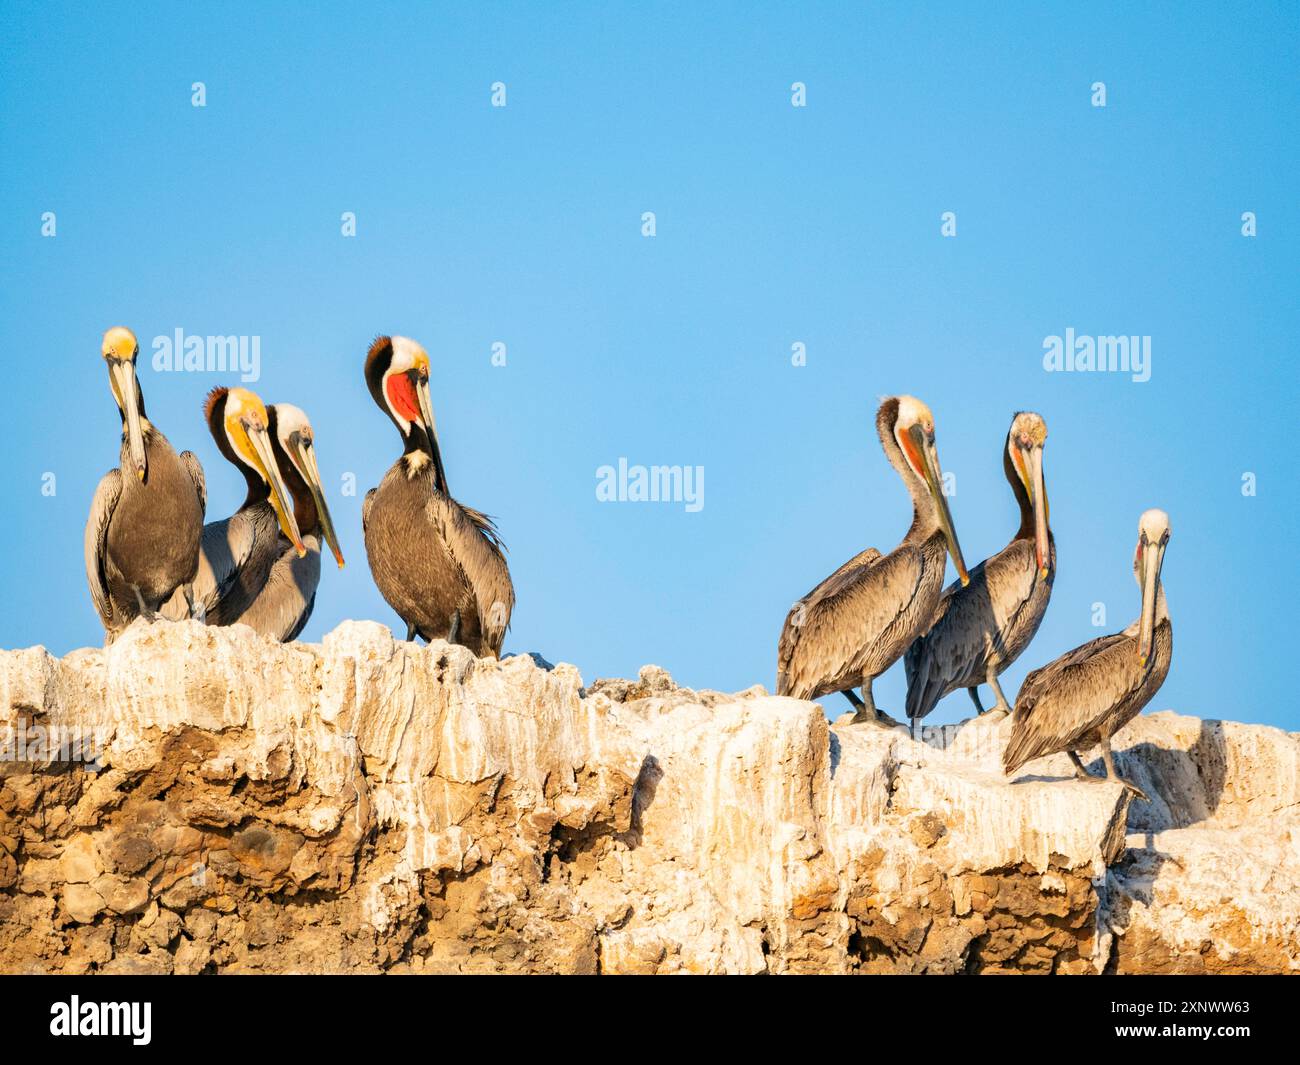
x=280, y=498
x=934, y=482
x=420, y=379
x=1038, y=499
x=122, y=372
x=306, y=462
x=1153, y=558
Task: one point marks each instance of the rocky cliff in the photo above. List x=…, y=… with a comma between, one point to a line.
x=199, y=800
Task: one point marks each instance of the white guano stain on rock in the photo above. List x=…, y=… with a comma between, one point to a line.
x=367, y=805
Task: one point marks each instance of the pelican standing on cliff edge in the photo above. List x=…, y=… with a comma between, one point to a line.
x=239, y=551
x=142, y=535
x=437, y=562
x=858, y=621
x=251, y=571
x=1087, y=695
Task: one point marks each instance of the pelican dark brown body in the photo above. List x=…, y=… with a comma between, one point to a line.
x=979, y=629
x=438, y=563
x=142, y=535
x=859, y=620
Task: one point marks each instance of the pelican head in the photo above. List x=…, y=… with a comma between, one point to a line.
x=397, y=373
x=120, y=350
x=239, y=423
x=912, y=430
x=1153, y=536
x=295, y=455
x=1025, y=442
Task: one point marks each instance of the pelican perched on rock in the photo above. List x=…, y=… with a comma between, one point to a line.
x=979, y=629
x=438, y=563
x=240, y=551
x=142, y=536
x=283, y=603
x=859, y=620
x=1087, y=695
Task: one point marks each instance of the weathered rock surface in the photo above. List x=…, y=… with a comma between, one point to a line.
x=364, y=805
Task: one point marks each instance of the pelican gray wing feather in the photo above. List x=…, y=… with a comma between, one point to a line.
x=194, y=468
x=101, y=512
x=475, y=548
x=283, y=603
x=366, y=504
x=1063, y=702
x=829, y=635
x=227, y=546
x=994, y=617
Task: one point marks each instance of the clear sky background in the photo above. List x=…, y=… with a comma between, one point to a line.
x=775, y=225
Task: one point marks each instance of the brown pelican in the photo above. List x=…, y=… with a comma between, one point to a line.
x=281, y=606
x=980, y=629
x=1087, y=695
x=142, y=536
x=438, y=563
x=240, y=551
x=855, y=624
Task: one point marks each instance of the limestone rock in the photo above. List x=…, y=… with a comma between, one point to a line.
x=224, y=804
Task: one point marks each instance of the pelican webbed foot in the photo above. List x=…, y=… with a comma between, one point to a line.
x=1001, y=708
x=994, y=713
x=868, y=713
x=1128, y=784
x=879, y=718
x=143, y=607
x=197, y=611
x=866, y=710
x=1080, y=770
x=1113, y=777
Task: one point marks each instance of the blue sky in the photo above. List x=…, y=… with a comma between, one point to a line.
x=775, y=225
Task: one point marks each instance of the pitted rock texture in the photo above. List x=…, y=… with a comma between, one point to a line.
x=368, y=805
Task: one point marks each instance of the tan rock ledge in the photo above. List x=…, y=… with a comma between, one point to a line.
x=366, y=805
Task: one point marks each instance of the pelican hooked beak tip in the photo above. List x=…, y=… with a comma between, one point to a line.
x=1042, y=573
x=305, y=460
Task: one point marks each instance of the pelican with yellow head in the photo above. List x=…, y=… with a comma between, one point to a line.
x=281, y=607
x=239, y=551
x=142, y=535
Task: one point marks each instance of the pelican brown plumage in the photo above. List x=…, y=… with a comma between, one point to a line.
x=1087, y=695
x=438, y=563
x=240, y=551
x=281, y=606
x=142, y=536
x=859, y=620
x=979, y=629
